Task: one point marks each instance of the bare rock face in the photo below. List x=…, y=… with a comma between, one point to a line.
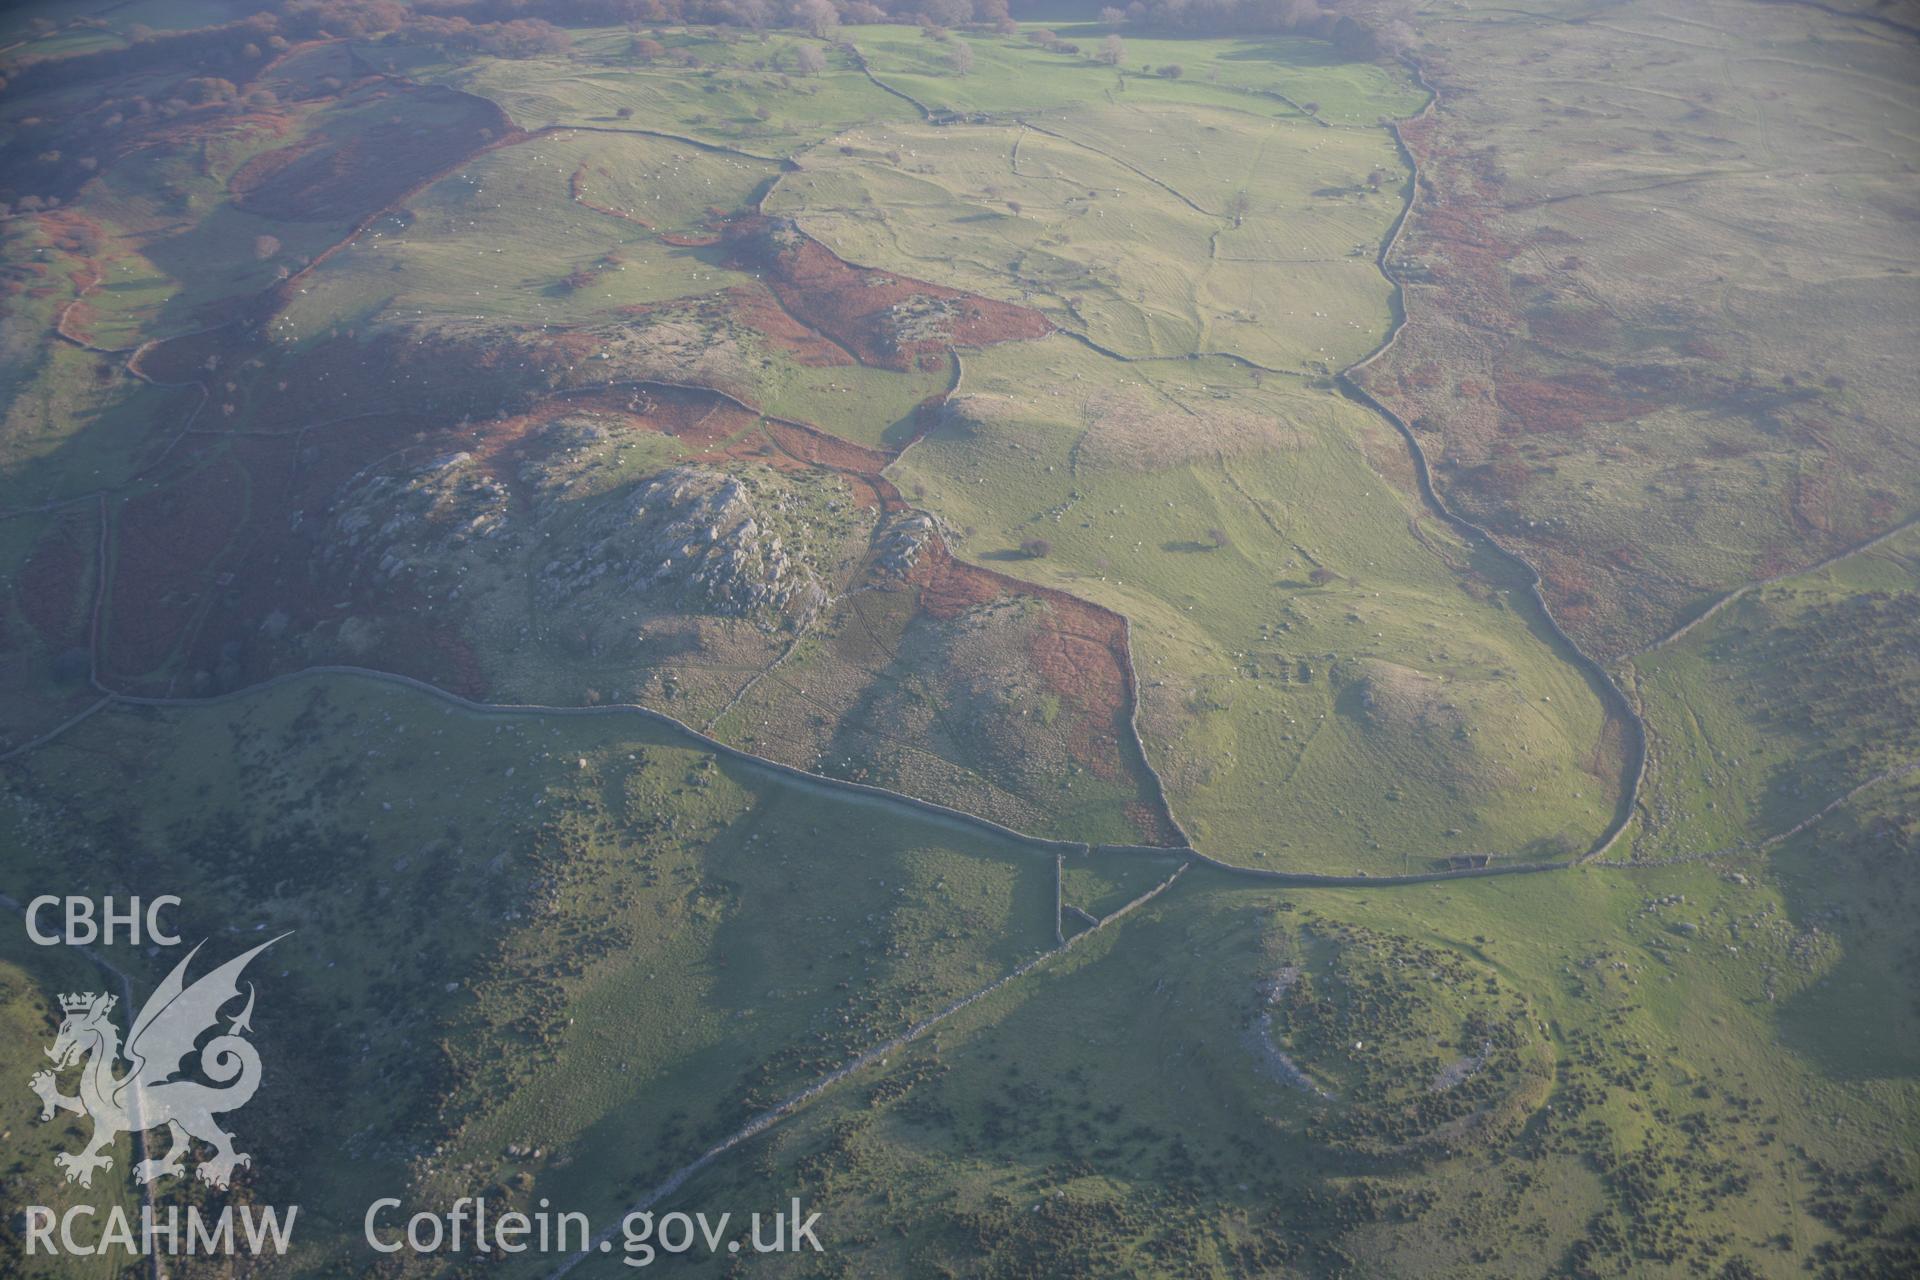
x=899, y=545
x=392, y=522
x=700, y=539
x=565, y=465
x=573, y=547
x=919, y=319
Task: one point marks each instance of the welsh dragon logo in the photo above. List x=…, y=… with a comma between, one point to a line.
x=146, y=1095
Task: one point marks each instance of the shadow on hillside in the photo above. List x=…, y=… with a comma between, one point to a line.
x=1851, y=883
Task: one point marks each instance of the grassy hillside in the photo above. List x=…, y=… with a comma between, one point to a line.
x=575, y=953
x=959, y=416
x=1783, y=702
x=1591, y=1084
x=458, y=403
x=582, y=938
x=1297, y=622
x=1157, y=229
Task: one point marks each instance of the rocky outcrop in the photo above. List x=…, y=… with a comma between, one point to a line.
x=393, y=520
x=901, y=542
x=709, y=541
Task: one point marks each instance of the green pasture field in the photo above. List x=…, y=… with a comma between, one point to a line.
x=1414, y=661
x=867, y=405
x=720, y=101
x=489, y=250
x=1102, y=883
x=494, y=242
x=1012, y=74
x=1162, y=218
x=1222, y=247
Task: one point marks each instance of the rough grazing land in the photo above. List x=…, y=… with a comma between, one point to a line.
x=1655, y=278
x=998, y=631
